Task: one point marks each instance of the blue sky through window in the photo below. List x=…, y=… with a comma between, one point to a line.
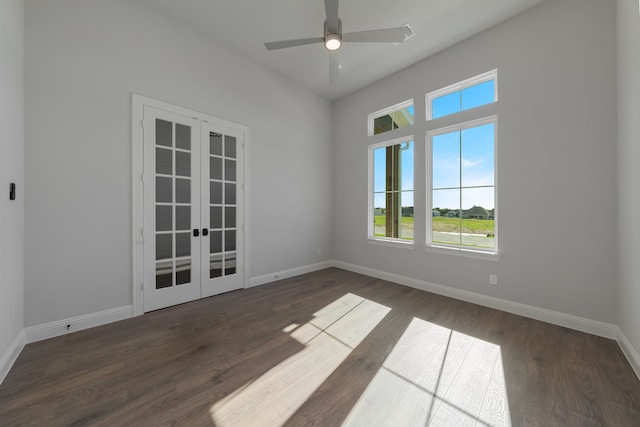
x=460, y=159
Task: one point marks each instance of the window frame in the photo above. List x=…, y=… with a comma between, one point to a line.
x=388, y=110
x=486, y=253
x=371, y=237
x=460, y=86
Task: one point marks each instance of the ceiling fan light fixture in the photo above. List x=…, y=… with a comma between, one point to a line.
x=333, y=42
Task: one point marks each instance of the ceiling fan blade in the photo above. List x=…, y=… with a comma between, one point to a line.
x=331, y=8
x=292, y=43
x=387, y=35
x=334, y=67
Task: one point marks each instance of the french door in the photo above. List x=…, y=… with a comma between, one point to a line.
x=193, y=208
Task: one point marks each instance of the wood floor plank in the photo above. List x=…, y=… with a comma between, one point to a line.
x=326, y=348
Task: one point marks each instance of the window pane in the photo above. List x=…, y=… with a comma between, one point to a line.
x=215, y=168
x=183, y=271
x=229, y=170
x=478, y=156
x=215, y=144
x=229, y=240
x=183, y=164
x=215, y=242
x=230, y=194
x=215, y=193
x=445, y=105
x=394, y=120
x=164, y=246
x=445, y=217
x=379, y=162
x=230, y=217
x=183, y=190
x=446, y=160
x=164, y=192
x=164, y=161
x=406, y=201
x=215, y=266
x=230, y=146
x=478, y=224
x=183, y=244
x=406, y=166
x=183, y=217
x=183, y=137
x=216, y=217
x=164, y=274
x=379, y=217
x=163, y=133
x=480, y=94
x=229, y=264
x=164, y=218
x=393, y=191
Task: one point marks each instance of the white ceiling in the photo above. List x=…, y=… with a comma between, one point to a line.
x=244, y=25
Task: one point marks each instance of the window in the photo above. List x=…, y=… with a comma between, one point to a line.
x=465, y=95
x=461, y=181
x=395, y=117
x=391, y=190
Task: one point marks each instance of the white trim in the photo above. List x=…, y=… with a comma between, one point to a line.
x=459, y=86
x=582, y=324
x=11, y=355
x=77, y=323
x=394, y=243
x=631, y=354
x=463, y=252
x=392, y=109
x=459, y=127
x=285, y=274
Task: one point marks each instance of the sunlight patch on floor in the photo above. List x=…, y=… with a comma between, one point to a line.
x=438, y=377
x=329, y=337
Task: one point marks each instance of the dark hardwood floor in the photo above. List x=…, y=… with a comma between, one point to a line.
x=326, y=348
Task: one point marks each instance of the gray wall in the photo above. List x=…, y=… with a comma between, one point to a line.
x=628, y=170
x=11, y=170
x=556, y=154
x=84, y=58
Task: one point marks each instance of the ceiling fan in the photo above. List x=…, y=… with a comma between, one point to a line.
x=334, y=37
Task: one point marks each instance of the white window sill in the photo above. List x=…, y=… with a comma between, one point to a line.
x=394, y=243
x=462, y=252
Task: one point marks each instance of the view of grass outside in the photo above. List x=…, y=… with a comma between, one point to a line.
x=467, y=231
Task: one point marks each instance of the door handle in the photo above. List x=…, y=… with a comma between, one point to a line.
x=205, y=231
x=196, y=232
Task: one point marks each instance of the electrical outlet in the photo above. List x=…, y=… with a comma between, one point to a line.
x=493, y=279
x=319, y=251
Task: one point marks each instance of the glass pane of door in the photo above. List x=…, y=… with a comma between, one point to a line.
x=222, y=204
x=173, y=204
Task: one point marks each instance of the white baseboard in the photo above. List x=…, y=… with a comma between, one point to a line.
x=78, y=323
x=627, y=348
x=561, y=319
x=10, y=356
x=284, y=274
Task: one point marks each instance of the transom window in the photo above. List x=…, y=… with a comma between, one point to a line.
x=391, y=190
x=394, y=117
x=464, y=95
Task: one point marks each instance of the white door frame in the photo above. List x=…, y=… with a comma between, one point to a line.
x=137, y=201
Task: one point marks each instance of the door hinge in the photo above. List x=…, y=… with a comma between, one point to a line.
x=141, y=123
x=142, y=286
x=142, y=232
x=141, y=177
